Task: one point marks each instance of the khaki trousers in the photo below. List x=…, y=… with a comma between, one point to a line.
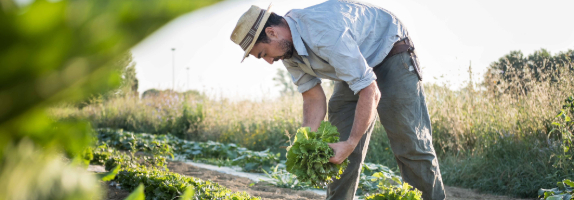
x=403, y=112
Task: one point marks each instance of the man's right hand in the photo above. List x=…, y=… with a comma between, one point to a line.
x=314, y=107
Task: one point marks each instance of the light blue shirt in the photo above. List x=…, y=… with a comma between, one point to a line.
x=340, y=40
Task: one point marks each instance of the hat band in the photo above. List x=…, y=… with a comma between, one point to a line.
x=251, y=34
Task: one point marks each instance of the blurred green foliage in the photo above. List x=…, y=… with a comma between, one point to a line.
x=55, y=51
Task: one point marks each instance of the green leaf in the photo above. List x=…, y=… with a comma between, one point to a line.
x=188, y=194
x=137, y=194
x=568, y=182
x=556, y=123
x=302, y=134
x=555, y=197
x=110, y=175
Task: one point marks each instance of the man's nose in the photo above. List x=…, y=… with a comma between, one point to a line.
x=269, y=60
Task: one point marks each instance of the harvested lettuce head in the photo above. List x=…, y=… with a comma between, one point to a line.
x=308, y=157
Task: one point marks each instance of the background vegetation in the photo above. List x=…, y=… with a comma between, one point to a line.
x=63, y=62
x=497, y=136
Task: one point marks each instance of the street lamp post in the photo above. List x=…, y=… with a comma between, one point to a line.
x=187, y=78
x=173, y=69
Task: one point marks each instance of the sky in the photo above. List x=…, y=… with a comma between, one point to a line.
x=449, y=35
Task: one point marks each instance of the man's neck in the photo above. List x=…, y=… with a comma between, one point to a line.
x=287, y=31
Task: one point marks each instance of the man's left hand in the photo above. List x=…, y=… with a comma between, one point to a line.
x=342, y=151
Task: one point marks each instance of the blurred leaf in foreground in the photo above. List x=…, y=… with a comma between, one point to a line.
x=55, y=51
x=108, y=176
x=137, y=194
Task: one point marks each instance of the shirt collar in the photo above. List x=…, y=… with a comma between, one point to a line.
x=296, y=37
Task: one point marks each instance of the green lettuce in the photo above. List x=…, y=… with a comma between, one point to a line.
x=308, y=157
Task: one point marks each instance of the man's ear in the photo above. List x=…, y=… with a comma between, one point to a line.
x=271, y=32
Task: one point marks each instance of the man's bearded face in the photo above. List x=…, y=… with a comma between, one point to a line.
x=273, y=51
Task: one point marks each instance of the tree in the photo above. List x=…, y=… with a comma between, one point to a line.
x=129, y=83
x=284, y=81
x=151, y=93
x=515, y=73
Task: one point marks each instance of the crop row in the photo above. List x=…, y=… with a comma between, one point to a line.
x=215, y=152
x=158, y=183
x=372, y=177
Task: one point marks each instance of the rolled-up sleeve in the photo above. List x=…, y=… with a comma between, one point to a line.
x=303, y=80
x=343, y=53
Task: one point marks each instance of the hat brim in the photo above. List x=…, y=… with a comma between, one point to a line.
x=261, y=25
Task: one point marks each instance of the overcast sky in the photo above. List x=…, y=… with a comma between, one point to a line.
x=448, y=35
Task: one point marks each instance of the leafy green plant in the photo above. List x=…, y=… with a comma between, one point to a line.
x=373, y=176
x=256, y=161
x=404, y=192
x=564, y=191
x=100, y=154
x=284, y=179
x=159, y=183
x=565, y=128
x=117, y=158
x=167, y=185
x=210, y=152
x=308, y=157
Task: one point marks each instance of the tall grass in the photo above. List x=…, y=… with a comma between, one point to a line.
x=255, y=125
x=493, y=141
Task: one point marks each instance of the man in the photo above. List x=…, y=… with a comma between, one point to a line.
x=367, y=51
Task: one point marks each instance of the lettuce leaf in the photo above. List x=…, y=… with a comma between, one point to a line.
x=308, y=157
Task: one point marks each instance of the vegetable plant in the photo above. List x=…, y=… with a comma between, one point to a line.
x=282, y=178
x=406, y=192
x=168, y=145
x=373, y=176
x=564, y=191
x=308, y=157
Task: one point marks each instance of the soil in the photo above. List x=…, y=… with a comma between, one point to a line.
x=266, y=191
x=113, y=192
x=238, y=184
x=456, y=193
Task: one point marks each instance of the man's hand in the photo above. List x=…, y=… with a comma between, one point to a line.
x=342, y=151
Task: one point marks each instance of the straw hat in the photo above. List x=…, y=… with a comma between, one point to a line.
x=248, y=28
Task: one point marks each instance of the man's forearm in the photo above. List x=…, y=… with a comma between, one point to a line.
x=365, y=112
x=314, y=107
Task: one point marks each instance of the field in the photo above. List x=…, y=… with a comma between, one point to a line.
x=266, y=191
x=503, y=141
x=69, y=101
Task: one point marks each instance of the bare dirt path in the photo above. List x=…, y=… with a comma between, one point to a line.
x=238, y=184
x=265, y=191
x=456, y=193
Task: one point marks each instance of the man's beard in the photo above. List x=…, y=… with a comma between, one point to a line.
x=287, y=47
